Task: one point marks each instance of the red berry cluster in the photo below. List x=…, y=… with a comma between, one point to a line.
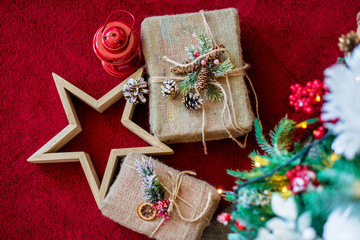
x=307, y=99
x=301, y=179
x=319, y=132
x=225, y=218
x=162, y=208
x=239, y=225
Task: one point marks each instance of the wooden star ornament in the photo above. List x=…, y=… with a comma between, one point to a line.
x=48, y=153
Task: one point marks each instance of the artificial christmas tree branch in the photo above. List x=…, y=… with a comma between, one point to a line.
x=303, y=153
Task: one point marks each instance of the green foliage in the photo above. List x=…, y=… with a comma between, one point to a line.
x=244, y=175
x=153, y=190
x=281, y=137
x=204, y=42
x=261, y=140
x=338, y=177
x=312, y=120
x=189, y=84
x=221, y=69
x=229, y=196
x=190, y=50
x=213, y=92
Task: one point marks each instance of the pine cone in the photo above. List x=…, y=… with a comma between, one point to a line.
x=170, y=89
x=348, y=42
x=215, y=55
x=179, y=70
x=135, y=89
x=203, y=77
x=192, y=101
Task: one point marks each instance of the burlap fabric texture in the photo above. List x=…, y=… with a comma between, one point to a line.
x=168, y=36
x=126, y=194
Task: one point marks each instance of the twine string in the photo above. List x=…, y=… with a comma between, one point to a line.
x=231, y=111
x=176, y=182
x=207, y=28
x=232, y=73
x=166, y=58
x=226, y=106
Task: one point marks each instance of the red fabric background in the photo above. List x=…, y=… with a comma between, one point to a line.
x=284, y=42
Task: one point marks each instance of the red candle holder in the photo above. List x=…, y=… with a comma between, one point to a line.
x=118, y=46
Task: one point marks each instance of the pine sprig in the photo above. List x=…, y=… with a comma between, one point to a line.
x=281, y=137
x=261, y=140
x=245, y=175
x=189, y=84
x=213, y=93
x=221, y=69
x=153, y=190
x=204, y=42
x=190, y=50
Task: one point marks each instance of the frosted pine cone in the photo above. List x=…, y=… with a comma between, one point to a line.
x=135, y=89
x=192, y=101
x=170, y=89
x=348, y=42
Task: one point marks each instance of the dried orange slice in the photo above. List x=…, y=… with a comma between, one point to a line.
x=146, y=212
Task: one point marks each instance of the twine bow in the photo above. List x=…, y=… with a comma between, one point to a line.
x=174, y=195
x=175, y=182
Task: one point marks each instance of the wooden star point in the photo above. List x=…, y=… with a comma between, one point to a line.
x=48, y=153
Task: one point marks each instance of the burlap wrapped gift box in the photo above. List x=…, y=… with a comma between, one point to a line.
x=126, y=194
x=168, y=36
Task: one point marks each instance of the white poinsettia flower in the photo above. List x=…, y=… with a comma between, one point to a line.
x=285, y=208
x=343, y=103
x=287, y=225
x=341, y=225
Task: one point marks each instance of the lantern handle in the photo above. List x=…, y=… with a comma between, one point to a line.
x=132, y=25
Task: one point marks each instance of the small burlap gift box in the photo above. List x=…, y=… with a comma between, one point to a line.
x=168, y=36
x=196, y=202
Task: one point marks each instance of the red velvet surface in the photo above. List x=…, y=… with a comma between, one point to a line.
x=283, y=41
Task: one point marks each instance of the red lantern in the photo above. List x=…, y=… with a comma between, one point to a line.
x=118, y=47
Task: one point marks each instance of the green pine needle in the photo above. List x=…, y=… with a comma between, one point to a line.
x=190, y=50
x=281, y=137
x=221, y=69
x=204, y=42
x=230, y=197
x=213, y=93
x=261, y=140
x=189, y=84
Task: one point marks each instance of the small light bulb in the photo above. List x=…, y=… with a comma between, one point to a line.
x=262, y=218
x=358, y=78
x=302, y=125
x=284, y=189
x=219, y=191
x=334, y=157
x=318, y=98
x=257, y=164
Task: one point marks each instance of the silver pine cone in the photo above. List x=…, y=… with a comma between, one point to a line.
x=169, y=89
x=192, y=101
x=135, y=89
